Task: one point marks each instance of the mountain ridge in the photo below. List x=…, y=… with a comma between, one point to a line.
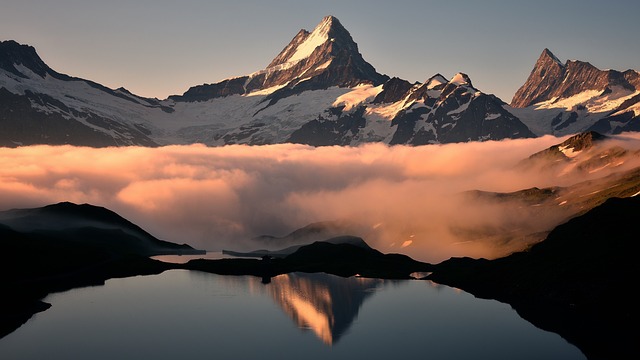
x=319, y=91
x=327, y=57
x=567, y=98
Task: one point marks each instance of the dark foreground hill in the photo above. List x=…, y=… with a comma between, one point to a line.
x=577, y=283
x=64, y=246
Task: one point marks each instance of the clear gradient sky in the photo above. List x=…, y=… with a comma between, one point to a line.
x=157, y=48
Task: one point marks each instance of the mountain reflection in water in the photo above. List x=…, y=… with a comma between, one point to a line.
x=323, y=303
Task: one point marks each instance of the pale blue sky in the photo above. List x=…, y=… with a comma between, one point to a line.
x=161, y=47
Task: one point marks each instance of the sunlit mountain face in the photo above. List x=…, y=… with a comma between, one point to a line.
x=322, y=303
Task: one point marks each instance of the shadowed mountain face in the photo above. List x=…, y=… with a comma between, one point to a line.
x=88, y=225
x=325, y=304
x=572, y=283
x=308, y=234
x=64, y=246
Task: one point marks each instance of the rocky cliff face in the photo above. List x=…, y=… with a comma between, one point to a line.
x=576, y=96
x=444, y=111
x=315, y=60
x=550, y=79
x=319, y=91
x=541, y=82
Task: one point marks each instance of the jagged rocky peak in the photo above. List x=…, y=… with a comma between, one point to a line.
x=305, y=42
x=547, y=56
x=546, y=74
x=568, y=149
x=325, y=57
x=13, y=53
x=315, y=60
x=459, y=85
x=582, y=141
x=436, y=81
x=461, y=79
x=395, y=89
x=551, y=79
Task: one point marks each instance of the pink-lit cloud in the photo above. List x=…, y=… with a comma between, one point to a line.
x=216, y=198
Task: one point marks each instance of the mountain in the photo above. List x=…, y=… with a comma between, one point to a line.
x=319, y=90
x=63, y=246
x=447, y=111
x=585, y=170
x=41, y=106
x=87, y=226
x=343, y=239
x=564, y=98
x=571, y=177
x=569, y=283
x=315, y=60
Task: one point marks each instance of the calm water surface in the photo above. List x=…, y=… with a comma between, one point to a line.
x=192, y=315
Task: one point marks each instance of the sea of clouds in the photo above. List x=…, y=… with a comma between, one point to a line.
x=221, y=197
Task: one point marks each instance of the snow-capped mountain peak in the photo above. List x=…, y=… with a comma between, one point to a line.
x=576, y=96
x=435, y=81
x=323, y=58
x=304, y=43
x=461, y=79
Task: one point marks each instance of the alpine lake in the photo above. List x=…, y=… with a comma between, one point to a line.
x=183, y=314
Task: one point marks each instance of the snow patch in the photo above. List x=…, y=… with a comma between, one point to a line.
x=592, y=100
x=568, y=151
x=460, y=109
x=459, y=79
x=388, y=111
x=266, y=91
x=359, y=95
x=435, y=81
x=635, y=108
x=600, y=168
x=318, y=37
x=492, y=116
x=323, y=66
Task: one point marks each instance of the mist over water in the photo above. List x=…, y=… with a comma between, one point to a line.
x=221, y=197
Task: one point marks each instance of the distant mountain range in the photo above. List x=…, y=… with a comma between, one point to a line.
x=319, y=91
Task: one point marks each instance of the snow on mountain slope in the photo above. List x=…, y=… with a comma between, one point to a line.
x=50, y=109
x=562, y=99
x=319, y=36
x=319, y=90
x=574, y=114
